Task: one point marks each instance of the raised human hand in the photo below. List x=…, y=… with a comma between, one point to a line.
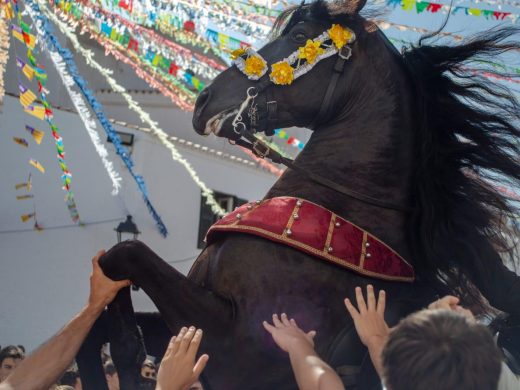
x=178, y=370
x=369, y=317
x=286, y=333
x=103, y=289
x=450, y=302
x=447, y=302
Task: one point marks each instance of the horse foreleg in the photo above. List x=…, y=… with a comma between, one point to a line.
x=126, y=342
x=180, y=301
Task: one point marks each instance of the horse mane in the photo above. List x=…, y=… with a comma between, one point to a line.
x=467, y=141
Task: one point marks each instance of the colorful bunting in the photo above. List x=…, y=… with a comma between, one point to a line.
x=26, y=69
x=4, y=53
x=27, y=217
x=21, y=141
x=27, y=97
x=37, y=134
x=24, y=197
x=27, y=185
x=37, y=165
x=36, y=111
x=432, y=7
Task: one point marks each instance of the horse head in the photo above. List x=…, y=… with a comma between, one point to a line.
x=300, y=78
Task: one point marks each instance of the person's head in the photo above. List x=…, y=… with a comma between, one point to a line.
x=10, y=357
x=440, y=349
x=71, y=378
x=111, y=376
x=148, y=369
x=196, y=386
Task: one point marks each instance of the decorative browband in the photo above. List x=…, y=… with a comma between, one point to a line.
x=319, y=232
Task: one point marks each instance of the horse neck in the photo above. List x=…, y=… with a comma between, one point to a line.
x=370, y=152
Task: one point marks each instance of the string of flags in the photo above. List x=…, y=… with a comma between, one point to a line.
x=40, y=109
x=432, y=7
x=53, y=45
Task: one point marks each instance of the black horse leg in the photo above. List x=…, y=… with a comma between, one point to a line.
x=179, y=300
x=126, y=342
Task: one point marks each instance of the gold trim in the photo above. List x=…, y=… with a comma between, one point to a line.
x=363, y=250
x=312, y=250
x=290, y=222
x=329, y=233
x=350, y=222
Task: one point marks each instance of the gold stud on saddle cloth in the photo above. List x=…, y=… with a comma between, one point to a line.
x=319, y=232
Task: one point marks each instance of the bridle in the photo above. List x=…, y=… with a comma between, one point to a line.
x=246, y=138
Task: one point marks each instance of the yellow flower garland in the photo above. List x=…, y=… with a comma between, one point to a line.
x=310, y=51
x=339, y=35
x=282, y=73
x=254, y=65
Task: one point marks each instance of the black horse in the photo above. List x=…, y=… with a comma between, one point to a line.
x=417, y=136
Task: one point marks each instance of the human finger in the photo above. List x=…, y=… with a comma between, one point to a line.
x=293, y=322
x=362, y=307
x=381, y=302
x=169, y=350
x=312, y=334
x=285, y=320
x=200, y=365
x=195, y=343
x=371, y=298
x=178, y=339
x=95, y=261
x=351, y=309
x=270, y=328
x=186, y=339
x=276, y=321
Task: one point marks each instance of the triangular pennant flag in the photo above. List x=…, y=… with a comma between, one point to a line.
x=9, y=14
x=21, y=141
x=25, y=27
x=27, y=217
x=27, y=97
x=37, y=134
x=41, y=75
x=29, y=40
x=27, y=185
x=17, y=32
x=26, y=69
x=31, y=58
x=37, y=111
x=24, y=197
x=37, y=165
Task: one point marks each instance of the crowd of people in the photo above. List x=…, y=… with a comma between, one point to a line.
x=442, y=347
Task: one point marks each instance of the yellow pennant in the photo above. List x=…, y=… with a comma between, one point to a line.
x=37, y=165
x=27, y=98
x=27, y=217
x=37, y=111
x=23, y=197
x=37, y=134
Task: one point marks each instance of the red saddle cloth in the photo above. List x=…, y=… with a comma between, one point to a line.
x=319, y=232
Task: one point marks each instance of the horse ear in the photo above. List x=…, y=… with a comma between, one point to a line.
x=347, y=7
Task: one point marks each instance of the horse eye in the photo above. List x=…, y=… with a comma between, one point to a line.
x=299, y=36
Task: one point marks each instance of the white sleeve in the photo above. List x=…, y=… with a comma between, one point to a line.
x=508, y=380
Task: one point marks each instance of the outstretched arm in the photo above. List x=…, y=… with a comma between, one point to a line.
x=178, y=370
x=310, y=371
x=43, y=368
x=369, y=320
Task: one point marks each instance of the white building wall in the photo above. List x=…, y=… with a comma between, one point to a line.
x=44, y=276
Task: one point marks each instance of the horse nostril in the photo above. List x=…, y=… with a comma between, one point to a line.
x=203, y=100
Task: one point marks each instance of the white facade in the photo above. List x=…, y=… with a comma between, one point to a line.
x=44, y=275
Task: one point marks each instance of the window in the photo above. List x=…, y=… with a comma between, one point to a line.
x=207, y=218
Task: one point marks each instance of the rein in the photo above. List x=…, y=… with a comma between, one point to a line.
x=247, y=138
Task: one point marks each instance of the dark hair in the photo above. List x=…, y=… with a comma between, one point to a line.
x=11, y=351
x=110, y=368
x=440, y=349
x=466, y=145
x=69, y=378
x=148, y=363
